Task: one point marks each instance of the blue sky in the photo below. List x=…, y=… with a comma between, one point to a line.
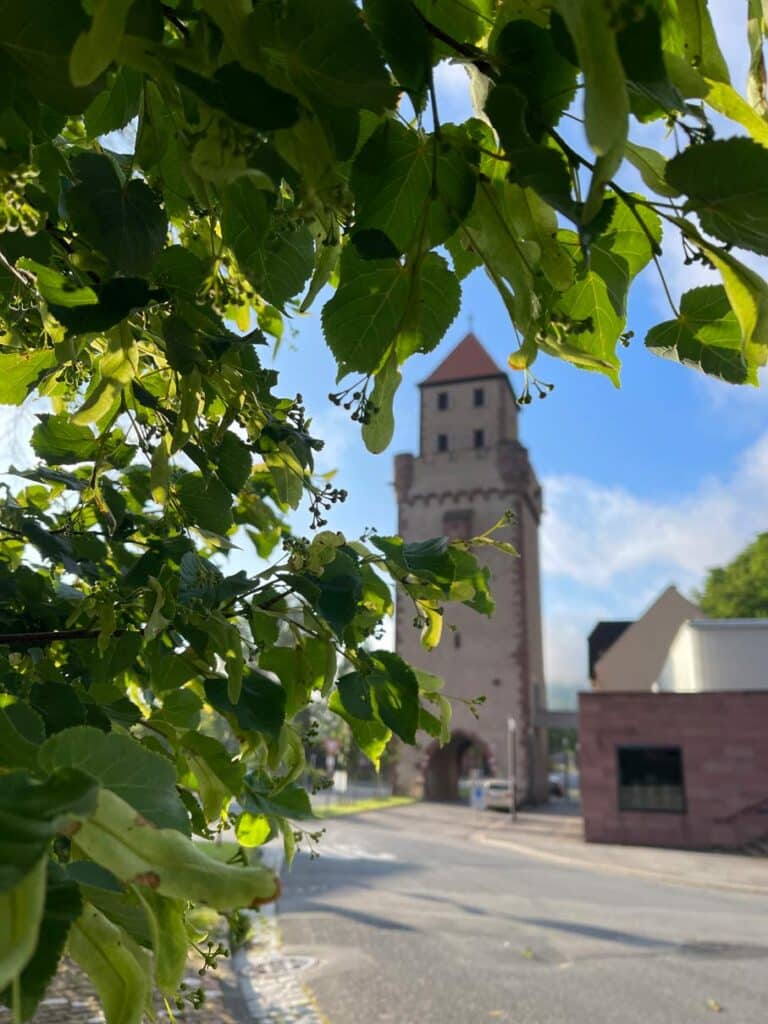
x=643, y=487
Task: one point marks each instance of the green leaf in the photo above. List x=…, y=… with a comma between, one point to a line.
x=532, y=165
x=280, y=267
x=166, y=861
x=112, y=108
x=169, y=939
x=531, y=61
x=181, y=709
x=396, y=695
x=371, y=737
x=261, y=707
x=31, y=812
x=429, y=559
x=340, y=590
x=252, y=829
x=291, y=802
x=382, y=301
x=63, y=905
x=38, y=39
x=301, y=670
x=652, y=167
x=624, y=248
x=606, y=105
x=117, y=299
x=747, y=293
x=380, y=426
x=244, y=96
x=56, y=440
x=287, y=474
x=467, y=570
x=96, y=48
x=124, y=221
x=217, y=758
x=16, y=750
x=467, y=21
x=706, y=335
x=508, y=258
x=701, y=47
x=56, y=288
x=355, y=694
x=21, y=910
x=20, y=372
x=591, y=342
x=99, y=947
x=329, y=53
x=410, y=186
x=180, y=270
x=727, y=187
x=405, y=43
x=433, y=305
x=234, y=462
x=58, y=705
x=206, y=501
x=651, y=93
x=145, y=779
x=245, y=222
x=365, y=315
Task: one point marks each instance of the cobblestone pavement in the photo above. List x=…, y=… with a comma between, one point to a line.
x=70, y=999
x=270, y=982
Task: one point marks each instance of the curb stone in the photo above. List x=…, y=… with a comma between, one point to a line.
x=267, y=980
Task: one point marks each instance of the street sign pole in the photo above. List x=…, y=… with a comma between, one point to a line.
x=511, y=761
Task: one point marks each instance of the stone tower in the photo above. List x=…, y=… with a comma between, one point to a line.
x=470, y=469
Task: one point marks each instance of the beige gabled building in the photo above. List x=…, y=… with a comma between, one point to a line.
x=634, y=659
x=471, y=468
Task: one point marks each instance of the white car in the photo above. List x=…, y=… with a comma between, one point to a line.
x=498, y=794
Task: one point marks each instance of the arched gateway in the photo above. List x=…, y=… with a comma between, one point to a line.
x=470, y=469
x=466, y=756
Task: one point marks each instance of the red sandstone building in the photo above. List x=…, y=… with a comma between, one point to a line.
x=680, y=757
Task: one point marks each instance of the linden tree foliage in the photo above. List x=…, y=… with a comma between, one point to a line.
x=180, y=178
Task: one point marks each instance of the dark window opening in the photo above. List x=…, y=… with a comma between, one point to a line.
x=442, y=442
x=457, y=640
x=651, y=779
x=497, y=682
x=479, y=439
x=479, y=397
x=442, y=400
x=457, y=523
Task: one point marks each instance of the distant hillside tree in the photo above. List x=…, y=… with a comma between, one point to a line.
x=740, y=589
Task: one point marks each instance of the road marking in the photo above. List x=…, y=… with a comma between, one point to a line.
x=620, y=869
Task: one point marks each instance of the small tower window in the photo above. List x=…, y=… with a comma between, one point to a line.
x=442, y=400
x=442, y=442
x=479, y=440
x=479, y=397
x=457, y=640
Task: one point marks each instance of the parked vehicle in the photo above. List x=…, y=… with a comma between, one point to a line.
x=556, y=784
x=498, y=794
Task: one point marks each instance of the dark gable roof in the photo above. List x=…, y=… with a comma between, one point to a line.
x=468, y=361
x=602, y=637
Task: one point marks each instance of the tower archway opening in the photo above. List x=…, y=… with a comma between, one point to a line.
x=465, y=757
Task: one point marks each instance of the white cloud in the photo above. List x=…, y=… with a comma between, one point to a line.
x=16, y=424
x=594, y=534
x=333, y=425
x=566, y=628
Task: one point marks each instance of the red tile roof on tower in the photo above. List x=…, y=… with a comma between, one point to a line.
x=468, y=361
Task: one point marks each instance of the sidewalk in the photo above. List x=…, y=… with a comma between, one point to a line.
x=556, y=836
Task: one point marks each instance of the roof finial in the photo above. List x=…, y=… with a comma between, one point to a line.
x=471, y=322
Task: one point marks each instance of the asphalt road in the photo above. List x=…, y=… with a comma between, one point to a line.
x=412, y=922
